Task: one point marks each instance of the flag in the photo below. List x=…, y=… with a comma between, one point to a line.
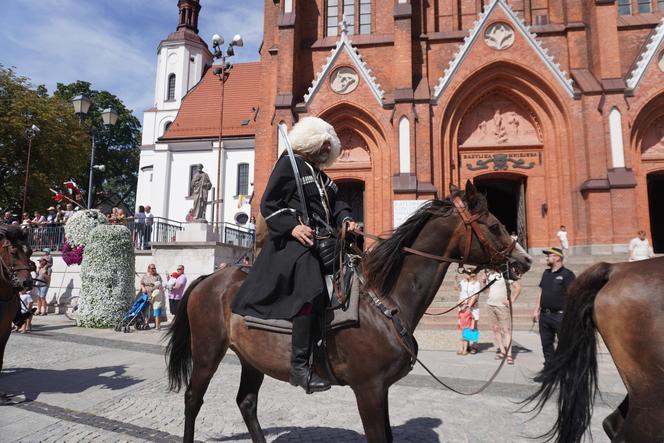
x=240, y=201
x=72, y=187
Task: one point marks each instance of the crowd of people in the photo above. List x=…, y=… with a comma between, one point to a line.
x=52, y=216
x=157, y=289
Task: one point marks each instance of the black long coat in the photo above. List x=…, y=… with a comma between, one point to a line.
x=286, y=274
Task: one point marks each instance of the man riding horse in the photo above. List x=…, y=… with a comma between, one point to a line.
x=287, y=280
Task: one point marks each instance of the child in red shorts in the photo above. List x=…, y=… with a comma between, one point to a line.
x=465, y=321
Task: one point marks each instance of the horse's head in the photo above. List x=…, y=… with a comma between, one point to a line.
x=490, y=243
x=15, y=252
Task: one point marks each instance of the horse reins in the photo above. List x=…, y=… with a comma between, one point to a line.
x=501, y=258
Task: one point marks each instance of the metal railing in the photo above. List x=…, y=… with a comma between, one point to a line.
x=236, y=235
x=159, y=230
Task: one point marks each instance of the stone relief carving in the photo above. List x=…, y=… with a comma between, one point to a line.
x=660, y=61
x=498, y=121
x=653, y=142
x=353, y=148
x=501, y=162
x=344, y=80
x=499, y=36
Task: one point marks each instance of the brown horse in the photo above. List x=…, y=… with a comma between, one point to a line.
x=15, y=268
x=205, y=327
x=625, y=303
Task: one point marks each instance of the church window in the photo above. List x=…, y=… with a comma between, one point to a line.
x=624, y=7
x=365, y=16
x=644, y=6
x=404, y=146
x=349, y=15
x=660, y=5
x=281, y=145
x=170, y=96
x=616, y=134
x=193, y=169
x=332, y=17
x=167, y=125
x=242, y=179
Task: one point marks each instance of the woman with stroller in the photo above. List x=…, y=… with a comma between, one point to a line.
x=148, y=285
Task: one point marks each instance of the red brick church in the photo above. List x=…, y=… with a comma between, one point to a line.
x=554, y=108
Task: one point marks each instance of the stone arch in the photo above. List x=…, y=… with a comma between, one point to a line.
x=646, y=148
x=367, y=160
x=541, y=106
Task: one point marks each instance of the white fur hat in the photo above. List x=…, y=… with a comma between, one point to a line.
x=309, y=134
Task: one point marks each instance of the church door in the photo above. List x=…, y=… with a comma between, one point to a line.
x=656, y=206
x=506, y=195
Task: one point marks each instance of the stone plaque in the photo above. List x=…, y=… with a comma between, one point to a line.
x=353, y=148
x=499, y=36
x=344, y=80
x=402, y=209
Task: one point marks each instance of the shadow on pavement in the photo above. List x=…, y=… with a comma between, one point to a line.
x=419, y=430
x=33, y=382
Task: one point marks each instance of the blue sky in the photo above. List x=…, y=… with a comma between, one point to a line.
x=112, y=43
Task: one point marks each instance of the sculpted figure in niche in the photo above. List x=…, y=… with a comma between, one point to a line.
x=653, y=142
x=498, y=121
x=200, y=185
x=353, y=148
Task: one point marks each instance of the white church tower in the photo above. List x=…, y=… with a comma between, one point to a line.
x=181, y=60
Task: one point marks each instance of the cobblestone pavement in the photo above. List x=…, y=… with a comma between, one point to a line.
x=92, y=385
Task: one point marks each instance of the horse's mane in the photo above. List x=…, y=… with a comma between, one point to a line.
x=383, y=261
x=13, y=233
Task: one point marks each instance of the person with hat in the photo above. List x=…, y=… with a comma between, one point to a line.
x=551, y=302
x=42, y=283
x=51, y=216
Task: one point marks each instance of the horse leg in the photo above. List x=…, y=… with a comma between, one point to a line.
x=373, y=407
x=643, y=425
x=614, y=422
x=4, y=338
x=204, y=365
x=247, y=400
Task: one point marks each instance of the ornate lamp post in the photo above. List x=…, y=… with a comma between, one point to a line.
x=109, y=117
x=30, y=133
x=222, y=70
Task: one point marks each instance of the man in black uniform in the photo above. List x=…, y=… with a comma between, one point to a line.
x=286, y=280
x=549, y=310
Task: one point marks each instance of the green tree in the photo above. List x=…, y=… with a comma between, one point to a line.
x=59, y=151
x=117, y=148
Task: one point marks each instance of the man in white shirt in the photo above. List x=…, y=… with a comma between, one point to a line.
x=149, y=221
x=564, y=242
x=499, y=313
x=639, y=248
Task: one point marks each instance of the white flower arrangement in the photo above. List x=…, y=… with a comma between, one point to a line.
x=107, y=277
x=80, y=225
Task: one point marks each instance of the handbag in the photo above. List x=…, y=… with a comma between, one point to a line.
x=326, y=249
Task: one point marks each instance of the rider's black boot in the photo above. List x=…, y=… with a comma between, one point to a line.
x=300, y=372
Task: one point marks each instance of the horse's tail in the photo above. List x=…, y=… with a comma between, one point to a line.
x=178, y=351
x=573, y=368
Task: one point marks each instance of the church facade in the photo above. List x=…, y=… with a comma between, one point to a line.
x=554, y=108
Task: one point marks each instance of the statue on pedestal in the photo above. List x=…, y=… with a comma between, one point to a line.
x=200, y=185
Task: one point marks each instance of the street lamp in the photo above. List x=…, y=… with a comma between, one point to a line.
x=30, y=133
x=222, y=70
x=109, y=117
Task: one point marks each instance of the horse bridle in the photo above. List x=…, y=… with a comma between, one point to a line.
x=9, y=271
x=496, y=257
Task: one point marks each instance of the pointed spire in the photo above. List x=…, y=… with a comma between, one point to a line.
x=189, y=10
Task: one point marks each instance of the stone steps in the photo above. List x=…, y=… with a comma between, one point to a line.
x=447, y=296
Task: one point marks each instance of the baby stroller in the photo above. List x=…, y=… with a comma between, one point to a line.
x=134, y=316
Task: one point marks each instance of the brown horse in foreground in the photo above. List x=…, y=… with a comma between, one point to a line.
x=625, y=303
x=15, y=267
x=205, y=327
